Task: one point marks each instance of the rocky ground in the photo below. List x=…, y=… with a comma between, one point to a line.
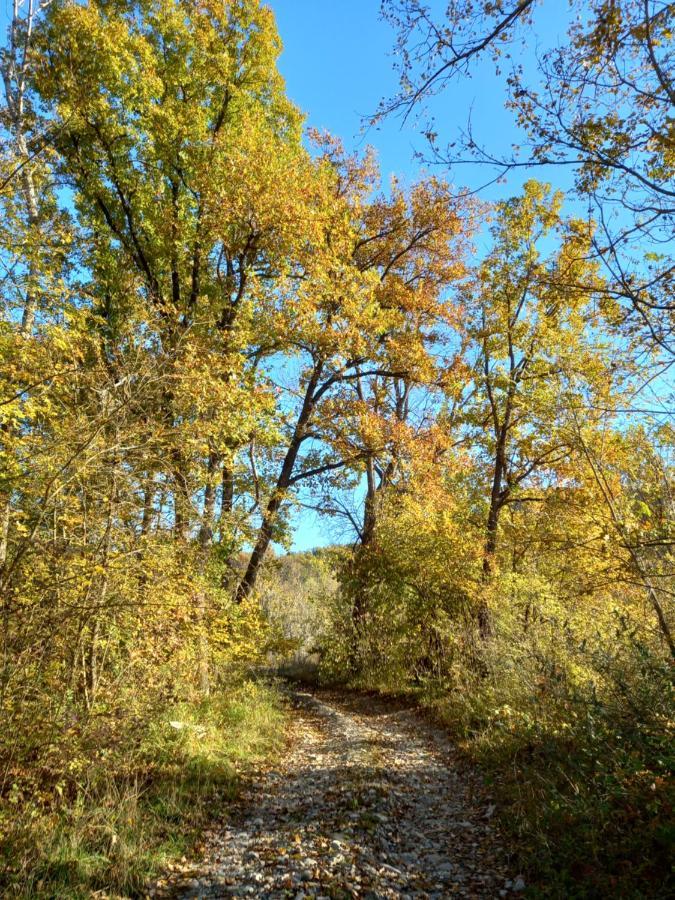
x=369, y=802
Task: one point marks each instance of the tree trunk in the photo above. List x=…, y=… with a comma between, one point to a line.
x=491, y=539
x=227, y=495
x=205, y=540
x=367, y=537
x=4, y=530
x=497, y=499
x=248, y=582
x=181, y=496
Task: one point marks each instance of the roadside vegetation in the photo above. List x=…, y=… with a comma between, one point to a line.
x=127, y=806
x=212, y=318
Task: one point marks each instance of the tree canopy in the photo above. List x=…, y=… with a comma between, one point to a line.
x=213, y=315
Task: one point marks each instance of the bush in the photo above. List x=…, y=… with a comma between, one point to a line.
x=566, y=706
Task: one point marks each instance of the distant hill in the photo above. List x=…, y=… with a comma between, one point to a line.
x=297, y=590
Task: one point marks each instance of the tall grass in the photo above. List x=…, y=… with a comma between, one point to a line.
x=125, y=818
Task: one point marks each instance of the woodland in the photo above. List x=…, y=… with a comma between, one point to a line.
x=211, y=313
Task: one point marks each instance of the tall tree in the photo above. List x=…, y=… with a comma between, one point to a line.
x=185, y=158
x=361, y=315
x=529, y=324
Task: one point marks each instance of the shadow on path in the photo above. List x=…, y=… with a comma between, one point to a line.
x=368, y=803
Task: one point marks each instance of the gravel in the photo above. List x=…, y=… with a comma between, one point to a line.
x=368, y=803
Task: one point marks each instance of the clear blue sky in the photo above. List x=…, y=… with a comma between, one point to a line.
x=338, y=64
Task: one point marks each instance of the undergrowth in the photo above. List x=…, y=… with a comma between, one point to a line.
x=576, y=748
x=583, y=785
x=125, y=816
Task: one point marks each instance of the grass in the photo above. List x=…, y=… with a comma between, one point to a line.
x=589, y=809
x=120, y=825
x=582, y=778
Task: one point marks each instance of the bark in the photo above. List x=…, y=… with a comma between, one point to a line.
x=200, y=601
x=181, y=495
x=369, y=510
x=148, y=500
x=368, y=532
x=498, y=496
x=227, y=495
x=4, y=531
x=248, y=582
x=491, y=531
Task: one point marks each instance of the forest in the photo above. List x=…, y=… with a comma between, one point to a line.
x=215, y=316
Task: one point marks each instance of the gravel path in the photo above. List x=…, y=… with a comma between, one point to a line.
x=368, y=803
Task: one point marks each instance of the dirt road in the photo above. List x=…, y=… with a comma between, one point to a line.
x=370, y=802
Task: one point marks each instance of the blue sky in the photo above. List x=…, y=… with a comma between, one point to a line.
x=338, y=64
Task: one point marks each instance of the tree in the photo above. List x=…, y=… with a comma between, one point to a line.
x=359, y=315
x=184, y=154
x=602, y=106
x=175, y=201
x=23, y=141
x=30, y=217
x=529, y=322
